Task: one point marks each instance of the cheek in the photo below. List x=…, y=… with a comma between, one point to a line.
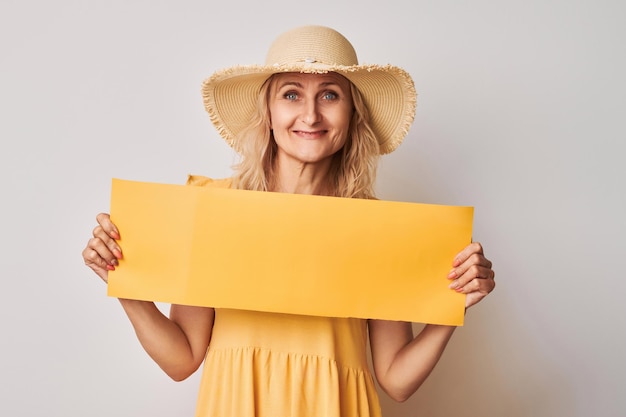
x=279, y=118
x=342, y=121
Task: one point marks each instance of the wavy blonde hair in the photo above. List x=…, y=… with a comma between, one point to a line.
x=353, y=168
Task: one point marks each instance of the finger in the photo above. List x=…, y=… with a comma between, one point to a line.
x=469, y=250
x=474, y=272
x=476, y=266
x=93, y=259
x=475, y=260
x=96, y=263
x=101, y=250
x=102, y=235
x=480, y=283
x=484, y=287
x=104, y=220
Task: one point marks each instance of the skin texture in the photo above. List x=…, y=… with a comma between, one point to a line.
x=310, y=118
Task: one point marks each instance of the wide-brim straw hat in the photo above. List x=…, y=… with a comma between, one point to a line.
x=231, y=95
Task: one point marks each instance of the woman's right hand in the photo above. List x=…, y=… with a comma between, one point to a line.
x=102, y=252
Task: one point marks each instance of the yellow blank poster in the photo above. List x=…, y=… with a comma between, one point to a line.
x=288, y=253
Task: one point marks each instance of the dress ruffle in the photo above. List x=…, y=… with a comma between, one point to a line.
x=258, y=382
x=247, y=380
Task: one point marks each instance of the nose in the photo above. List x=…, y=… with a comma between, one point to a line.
x=311, y=112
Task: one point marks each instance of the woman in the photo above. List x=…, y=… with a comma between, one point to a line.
x=311, y=121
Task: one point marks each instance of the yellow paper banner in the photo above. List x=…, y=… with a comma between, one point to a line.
x=288, y=253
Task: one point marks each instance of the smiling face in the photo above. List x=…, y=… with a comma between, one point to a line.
x=310, y=116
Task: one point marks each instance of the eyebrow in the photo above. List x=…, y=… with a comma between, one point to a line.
x=299, y=85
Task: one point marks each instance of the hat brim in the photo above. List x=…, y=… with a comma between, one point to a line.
x=230, y=97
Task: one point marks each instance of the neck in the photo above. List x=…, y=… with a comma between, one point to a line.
x=297, y=177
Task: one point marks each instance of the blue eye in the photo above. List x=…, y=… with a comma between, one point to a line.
x=291, y=96
x=329, y=95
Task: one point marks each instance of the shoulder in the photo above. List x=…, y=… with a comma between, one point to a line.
x=201, y=181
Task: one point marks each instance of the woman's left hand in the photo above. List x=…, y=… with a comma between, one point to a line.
x=472, y=274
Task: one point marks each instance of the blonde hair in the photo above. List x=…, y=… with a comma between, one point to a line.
x=353, y=168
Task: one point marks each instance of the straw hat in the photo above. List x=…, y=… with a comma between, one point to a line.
x=230, y=95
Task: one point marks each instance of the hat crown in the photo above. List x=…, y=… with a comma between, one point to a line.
x=311, y=45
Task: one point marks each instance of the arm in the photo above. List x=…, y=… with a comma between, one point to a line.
x=401, y=362
x=178, y=343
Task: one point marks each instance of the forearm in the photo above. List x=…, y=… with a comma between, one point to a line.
x=414, y=362
x=162, y=338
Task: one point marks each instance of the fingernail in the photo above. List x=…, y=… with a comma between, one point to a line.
x=110, y=268
x=452, y=274
x=453, y=286
x=114, y=262
x=117, y=253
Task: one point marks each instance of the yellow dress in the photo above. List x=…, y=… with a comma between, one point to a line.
x=280, y=365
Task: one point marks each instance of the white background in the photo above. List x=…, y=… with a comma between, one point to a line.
x=521, y=114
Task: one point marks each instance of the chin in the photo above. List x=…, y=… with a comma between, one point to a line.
x=313, y=159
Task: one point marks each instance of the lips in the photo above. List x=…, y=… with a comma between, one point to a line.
x=310, y=134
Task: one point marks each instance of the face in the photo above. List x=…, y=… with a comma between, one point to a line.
x=310, y=116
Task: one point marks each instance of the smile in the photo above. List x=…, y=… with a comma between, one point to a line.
x=310, y=135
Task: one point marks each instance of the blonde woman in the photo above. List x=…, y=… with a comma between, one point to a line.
x=309, y=121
